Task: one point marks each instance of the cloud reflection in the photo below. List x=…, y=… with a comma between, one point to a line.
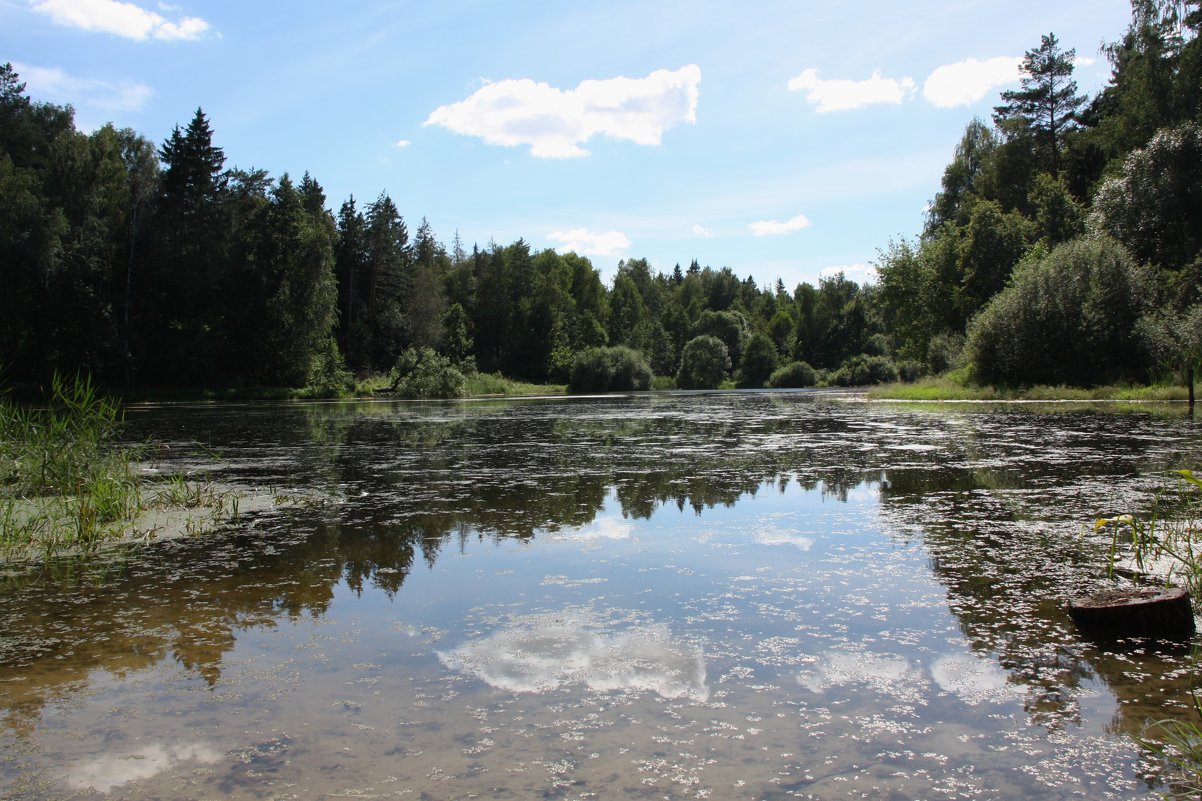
x=104, y=773
x=540, y=653
x=972, y=679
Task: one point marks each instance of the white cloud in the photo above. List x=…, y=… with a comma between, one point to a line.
x=402, y=143
x=853, y=272
x=121, y=19
x=842, y=95
x=555, y=122
x=1084, y=61
x=57, y=86
x=775, y=227
x=590, y=243
x=966, y=82
x=702, y=231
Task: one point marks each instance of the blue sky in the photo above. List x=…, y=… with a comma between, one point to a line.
x=781, y=139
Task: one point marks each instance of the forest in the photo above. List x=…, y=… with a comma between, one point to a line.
x=1064, y=247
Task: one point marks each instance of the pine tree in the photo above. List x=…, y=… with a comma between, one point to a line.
x=1048, y=101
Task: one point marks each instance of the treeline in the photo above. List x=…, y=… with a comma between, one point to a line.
x=1063, y=247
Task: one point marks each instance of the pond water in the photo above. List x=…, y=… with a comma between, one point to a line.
x=728, y=596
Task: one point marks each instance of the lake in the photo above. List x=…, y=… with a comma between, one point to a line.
x=728, y=595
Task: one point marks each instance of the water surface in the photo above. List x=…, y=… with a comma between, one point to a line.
x=744, y=596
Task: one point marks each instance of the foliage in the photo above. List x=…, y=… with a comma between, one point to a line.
x=793, y=375
x=864, y=370
x=1068, y=317
x=169, y=267
x=729, y=327
x=1048, y=101
x=945, y=352
x=616, y=369
x=704, y=363
x=1154, y=205
x=424, y=374
x=759, y=360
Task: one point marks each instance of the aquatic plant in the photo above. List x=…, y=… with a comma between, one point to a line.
x=64, y=476
x=1167, y=542
x=68, y=481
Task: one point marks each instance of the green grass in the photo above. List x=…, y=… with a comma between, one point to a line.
x=491, y=384
x=951, y=387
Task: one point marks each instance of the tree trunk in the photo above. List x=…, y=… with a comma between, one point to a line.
x=1189, y=381
x=1135, y=612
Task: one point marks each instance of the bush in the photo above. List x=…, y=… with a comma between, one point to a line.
x=329, y=377
x=617, y=369
x=1066, y=318
x=863, y=370
x=704, y=363
x=792, y=375
x=910, y=370
x=945, y=352
x=759, y=360
x=425, y=374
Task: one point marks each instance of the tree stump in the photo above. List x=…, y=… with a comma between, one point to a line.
x=1135, y=612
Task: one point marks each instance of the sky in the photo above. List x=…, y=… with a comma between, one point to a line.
x=784, y=140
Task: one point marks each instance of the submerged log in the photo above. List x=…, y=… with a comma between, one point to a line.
x=1135, y=612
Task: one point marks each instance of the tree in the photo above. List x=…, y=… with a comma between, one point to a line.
x=729, y=327
x=1154, y=205
x=758, y=363
x=974, y=151
x=296, y=271
x=190, y=280
x=1048, y=100
x=704, y=363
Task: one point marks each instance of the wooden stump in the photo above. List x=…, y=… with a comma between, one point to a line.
x=1135, y=612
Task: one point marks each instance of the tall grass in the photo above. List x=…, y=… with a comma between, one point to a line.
x=64, y=477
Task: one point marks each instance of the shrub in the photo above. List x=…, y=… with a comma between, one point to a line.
x=1066, y=318
x=945, y=352
x=862, y=370
x=910, y=370
x=425, y=374
x=794, y=374
x=759, y=360
x=618, y=369
x=704, y=363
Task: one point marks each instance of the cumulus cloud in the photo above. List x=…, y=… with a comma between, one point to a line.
x=58, y=86
x=402, y=143
x=121, y=19
x=703, y=232
x=843, y=95
x=590, y=243
x=966, y=82
x=554, y=122
x=776, y=227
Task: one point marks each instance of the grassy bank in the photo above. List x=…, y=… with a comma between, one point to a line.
x=948, y=388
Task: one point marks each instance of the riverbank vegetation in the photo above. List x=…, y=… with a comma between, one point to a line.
x=68, y=481
x=1062, y=249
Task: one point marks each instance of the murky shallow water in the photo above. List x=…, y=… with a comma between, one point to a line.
x=743, y=596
